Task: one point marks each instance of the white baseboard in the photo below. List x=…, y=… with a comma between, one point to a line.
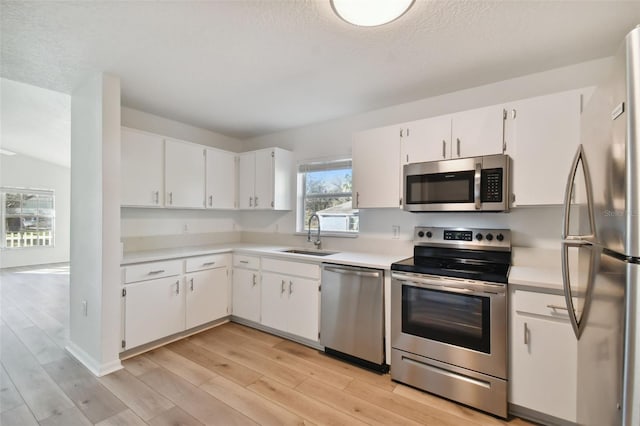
x=93, y=365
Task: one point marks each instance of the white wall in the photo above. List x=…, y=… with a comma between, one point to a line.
x=137, y=222
x=22, y=171
x=95, y=214
x=536, y=227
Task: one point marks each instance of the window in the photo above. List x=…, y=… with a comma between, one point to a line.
x=27, y=217
x=324, y=188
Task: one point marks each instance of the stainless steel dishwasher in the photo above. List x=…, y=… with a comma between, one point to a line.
x=352, y=314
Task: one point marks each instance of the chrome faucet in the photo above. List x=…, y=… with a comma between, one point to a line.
x=317, y=242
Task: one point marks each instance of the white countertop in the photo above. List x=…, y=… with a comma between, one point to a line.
x=536, y=270
x=367, y=260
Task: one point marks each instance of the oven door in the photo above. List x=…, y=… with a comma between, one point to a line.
x=450, y=320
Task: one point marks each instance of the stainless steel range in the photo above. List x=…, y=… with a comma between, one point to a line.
x=449, y=316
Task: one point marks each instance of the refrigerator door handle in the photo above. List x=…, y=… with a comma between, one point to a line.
x=578, y=324
x=578, y=159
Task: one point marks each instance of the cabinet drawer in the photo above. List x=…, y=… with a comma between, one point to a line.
x=308, y=270
x=551, y=305
x=243, y=261
x=152, y=270
x=206, y=262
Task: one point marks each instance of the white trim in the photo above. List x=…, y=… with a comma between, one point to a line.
x=93, y=365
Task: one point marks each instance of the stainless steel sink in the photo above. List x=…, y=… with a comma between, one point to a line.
x=309, y=252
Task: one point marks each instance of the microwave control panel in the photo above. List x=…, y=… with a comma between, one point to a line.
x=491, y=186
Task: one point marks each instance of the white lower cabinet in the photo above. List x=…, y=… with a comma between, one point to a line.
x=543, y=358
x=207, y=290
x=246, y=288
x=153, y=309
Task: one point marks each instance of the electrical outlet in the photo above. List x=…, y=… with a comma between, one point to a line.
x=396, y=231
x=84, y=308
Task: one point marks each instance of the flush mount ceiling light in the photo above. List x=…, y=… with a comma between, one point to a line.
x=370, y=13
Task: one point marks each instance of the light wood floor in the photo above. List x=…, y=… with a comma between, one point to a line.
x=227, y=375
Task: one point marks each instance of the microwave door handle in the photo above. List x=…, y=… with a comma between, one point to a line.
x=476, y=187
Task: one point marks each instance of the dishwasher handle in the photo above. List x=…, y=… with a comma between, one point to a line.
x=360, y=272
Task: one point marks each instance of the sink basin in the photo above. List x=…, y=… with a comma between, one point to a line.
x=309, y=252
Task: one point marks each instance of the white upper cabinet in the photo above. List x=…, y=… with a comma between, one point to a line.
x=426, y=140
x=542, y=135
x=264, y=179
x=141, y=169
x=220, y=182
x=376, y=168
x=184, y=174
x=477, y=132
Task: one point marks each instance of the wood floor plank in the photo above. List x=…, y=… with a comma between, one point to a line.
x=301, y=404
x=183, y=367
x=94, y=400
x=407, y=407
x=139, y=365
x=214, y=362
x=262, y=365
x=193, y=400
x=257, y=408
x=174, y=416
x=9, y=396
x=39, y=391
x=356, y=407
x=40, y=344
x=125, y=418
x=14, y=317
x=253, y=334
x=319, y=358
x=68, y=417
x=143, y=400
x=247, y=343
x=18, y=416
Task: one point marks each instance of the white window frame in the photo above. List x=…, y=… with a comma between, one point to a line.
x=17, y=190
x=317, y=165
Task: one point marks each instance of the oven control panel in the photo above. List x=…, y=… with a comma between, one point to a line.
x=473, y=238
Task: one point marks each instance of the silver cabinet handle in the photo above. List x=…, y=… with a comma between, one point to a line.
x=157, y=197
x=282, y=287
x=444, y=148
x=210, y=200
x=458, y=146
x=177, y=287
x=477, y=178
x=526, y=334
x=290, y=287
x=245, y=262
x=556, y=307
x=208, y=263
x=250, y=201
x=255, y=281
x=171, y=198
x=357, y=199
x=157, y=271
x=191, y=281
x=255, y=201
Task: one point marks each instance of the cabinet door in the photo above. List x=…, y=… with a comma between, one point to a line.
x=246, y=179
x=207, y=296
x=543, y=372
x=303, y=308
x=221, y=179
x=376, y=168
x=141, y=169
x=246, y=294
x=263, y=196
x=426, y=140
x=477, y=132
x=275, y=300
x=153, y=309
x=546, y=134
x=184, y=174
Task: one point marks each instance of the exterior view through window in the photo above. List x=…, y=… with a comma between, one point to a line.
x=325, y=189
x=27, y=217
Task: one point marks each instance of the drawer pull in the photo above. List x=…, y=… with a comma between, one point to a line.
x=159, y=271
x=246, y=262
x=555, y=307
x=208, y=263
x=526, y=334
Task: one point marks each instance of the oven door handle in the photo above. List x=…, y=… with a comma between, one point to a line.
x=451, y=286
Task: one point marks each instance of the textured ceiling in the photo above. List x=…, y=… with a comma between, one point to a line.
x=251, y=67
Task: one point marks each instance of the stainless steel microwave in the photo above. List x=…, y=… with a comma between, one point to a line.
x=463, y=184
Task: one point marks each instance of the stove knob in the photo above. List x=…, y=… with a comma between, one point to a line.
x=421, y=234
x=479, y=237
x=429, y=234
x=500, y=237
x=489, y=237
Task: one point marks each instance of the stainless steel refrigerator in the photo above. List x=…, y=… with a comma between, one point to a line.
x=601, y=246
